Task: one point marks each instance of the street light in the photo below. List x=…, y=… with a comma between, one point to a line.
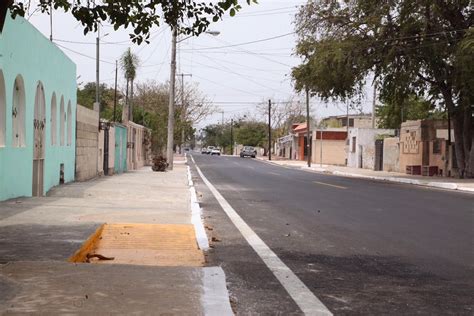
x=97, y=70
x=170, y=141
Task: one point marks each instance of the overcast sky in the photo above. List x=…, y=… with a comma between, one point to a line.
x=235, y=78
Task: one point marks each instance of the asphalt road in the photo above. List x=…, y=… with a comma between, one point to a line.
x=361, y=246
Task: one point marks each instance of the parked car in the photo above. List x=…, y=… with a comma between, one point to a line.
x=204, y=150
x=248, y=151
x=209, y=149
x=215, y=151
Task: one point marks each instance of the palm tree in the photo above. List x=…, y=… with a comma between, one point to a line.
x=129, y=63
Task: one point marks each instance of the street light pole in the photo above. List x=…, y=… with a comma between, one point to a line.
x=269, y=129
x=115, y=92
x=183, y=111
x=170, y=141
x=232, y=137
x=97, y=77
x=308, y=136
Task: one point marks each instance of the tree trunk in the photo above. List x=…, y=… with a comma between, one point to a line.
x=464, y=139
x=458, y=120
x=462, y=121
x=468, y=138
x=125, y=108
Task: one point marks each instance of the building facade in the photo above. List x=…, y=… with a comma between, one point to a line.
x=424, y=148
x=329, y=146
x=37, y=112
x=361, y=149
x=352, y=120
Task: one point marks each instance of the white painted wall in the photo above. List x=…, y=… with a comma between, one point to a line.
x=364, y=146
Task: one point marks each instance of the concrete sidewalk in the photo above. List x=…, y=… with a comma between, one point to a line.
x=38, y=235
x=466, y=185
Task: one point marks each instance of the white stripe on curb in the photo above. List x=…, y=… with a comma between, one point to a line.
x=196, y=219
x=440, y=185
x=303, y=297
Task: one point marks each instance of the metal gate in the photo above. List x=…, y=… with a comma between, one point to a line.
x=39, y=123
x=378, y=163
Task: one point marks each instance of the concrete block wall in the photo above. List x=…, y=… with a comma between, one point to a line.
x=391, y=154
x=362, y=146
x=87, y=130
x=333, y=152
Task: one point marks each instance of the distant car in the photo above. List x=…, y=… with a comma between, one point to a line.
x=204, y=150
x=248, y=151
x=209, y=149
x=215, y=151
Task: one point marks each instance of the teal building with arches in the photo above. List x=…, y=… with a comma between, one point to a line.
x=37, y=112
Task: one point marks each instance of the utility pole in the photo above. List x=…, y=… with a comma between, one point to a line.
x=321, y=149
x=115, y=93
x=347, y=118
x=373, y=104
x=183, y=110
x=308, y=129
x=170, y=141
x=222, y=117
x=97, y=77
x=269, y=129
x=232, y=137
x=51, y=21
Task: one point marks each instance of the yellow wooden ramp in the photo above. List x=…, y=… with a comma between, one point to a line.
x=142, y=244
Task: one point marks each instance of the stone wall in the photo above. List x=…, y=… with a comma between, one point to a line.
x=87, y=129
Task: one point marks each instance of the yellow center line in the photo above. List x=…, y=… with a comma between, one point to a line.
x=330, y=185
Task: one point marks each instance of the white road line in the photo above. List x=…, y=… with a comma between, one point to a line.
x=303, y=297
x=330, y=185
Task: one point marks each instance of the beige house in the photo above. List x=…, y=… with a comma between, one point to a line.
x=329, y=146
x=423, y=148
x=355, y=120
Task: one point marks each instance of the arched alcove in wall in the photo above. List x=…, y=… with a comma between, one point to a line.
x=69, y=124
x=54, y=120
x=62, y=121
x=18, y=113
x=3, y=110
x=39, y=128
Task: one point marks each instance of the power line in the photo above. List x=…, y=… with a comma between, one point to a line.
x=228, y=70
x=84, y=55
x=225, y=86
x=265, y=14
x=246, y=43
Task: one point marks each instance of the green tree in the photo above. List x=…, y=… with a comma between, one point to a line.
x=152, y=111
x=392, y=114
x=252, y=133
x=218, y=135
x=414, y=47
x=129, y=63
x=192, y=17
x=86, y=96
